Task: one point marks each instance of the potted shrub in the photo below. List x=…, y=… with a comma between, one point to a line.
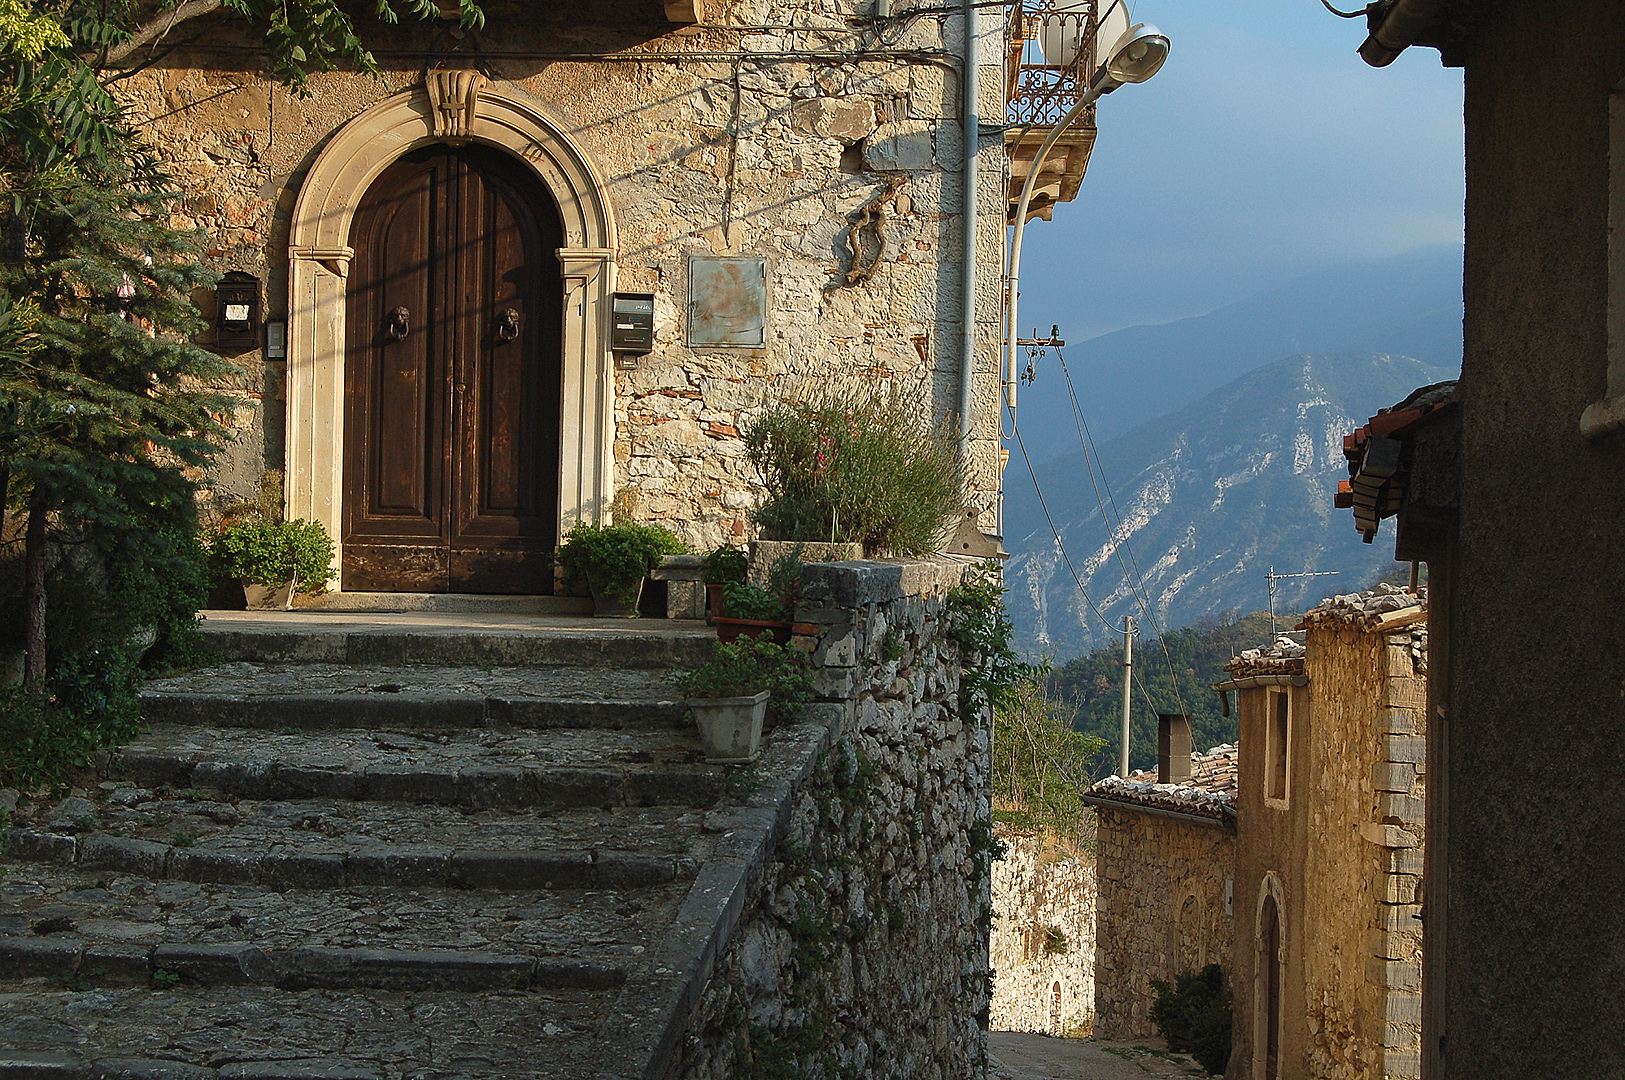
x=722, y=565
x=730, y=693
x=274, y=559
x=613, y=561
x=856, y=466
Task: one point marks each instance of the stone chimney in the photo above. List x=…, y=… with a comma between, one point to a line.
x=1173, y=748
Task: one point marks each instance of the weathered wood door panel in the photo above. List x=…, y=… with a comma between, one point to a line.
x=452, y=378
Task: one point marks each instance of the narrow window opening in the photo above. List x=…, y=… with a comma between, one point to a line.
x=1609, y=413
x=1279, y=730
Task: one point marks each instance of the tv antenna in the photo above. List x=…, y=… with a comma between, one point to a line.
x=1273, y=577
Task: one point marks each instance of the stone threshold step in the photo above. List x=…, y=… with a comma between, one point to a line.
x=69, y=958
x=447, y=603
x=474, y=787
x=398, y=865
x=459, y=641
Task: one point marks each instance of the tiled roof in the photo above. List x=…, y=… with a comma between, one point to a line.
x=1210, y=792
x=1378, y=609
x=1379, y=466
x=1284, y=657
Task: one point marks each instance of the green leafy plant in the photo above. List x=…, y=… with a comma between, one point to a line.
x=272, y=553
x=1194, y=1015
x=615, y=558
x=749, y=666
x=864, y=467
x=742, y=600
x=165, y=980
x=1055, y=941
x=1039, y=767
x=979, y=623
x=724, y=564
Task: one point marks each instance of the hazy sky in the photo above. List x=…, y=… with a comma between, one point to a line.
x=1264, y=149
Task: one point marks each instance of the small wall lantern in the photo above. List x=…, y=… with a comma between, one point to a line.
x=237, y=318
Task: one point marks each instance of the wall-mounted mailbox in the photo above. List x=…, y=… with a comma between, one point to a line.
x=632, y=330
x=237, y=320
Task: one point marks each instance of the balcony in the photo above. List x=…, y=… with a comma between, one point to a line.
x=1051, y=51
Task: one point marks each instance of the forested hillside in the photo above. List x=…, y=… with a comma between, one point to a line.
x=1088, y=691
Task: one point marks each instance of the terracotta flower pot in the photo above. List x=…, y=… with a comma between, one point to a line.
x=731, y=630
x=715, y=603
x=730, y=727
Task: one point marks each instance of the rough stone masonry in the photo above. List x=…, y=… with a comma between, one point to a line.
x=780, y=129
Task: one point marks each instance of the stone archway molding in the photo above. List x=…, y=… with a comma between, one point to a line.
x=1269, y=888
x=451, y=107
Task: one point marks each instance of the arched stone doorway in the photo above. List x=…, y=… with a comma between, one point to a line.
x=451, y=378
x=454, y=109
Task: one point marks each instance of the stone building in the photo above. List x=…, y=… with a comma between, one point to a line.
x=1042, y=946
x=1293, y=859
x=1326, y=969
x=1511, y=498
x=1167, y=844
x=438, y=262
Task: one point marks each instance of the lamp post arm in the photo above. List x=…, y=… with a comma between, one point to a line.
x=1013, y=278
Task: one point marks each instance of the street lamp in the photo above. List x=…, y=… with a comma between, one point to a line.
x=1137, y=55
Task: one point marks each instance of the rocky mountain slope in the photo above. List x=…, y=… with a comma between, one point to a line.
x=1208, y=498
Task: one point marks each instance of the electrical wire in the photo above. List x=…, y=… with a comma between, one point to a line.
x=1136, y=582
x=1059, y=545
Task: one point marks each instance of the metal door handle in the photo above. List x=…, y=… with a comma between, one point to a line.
x=399, y=325
x=507, y=326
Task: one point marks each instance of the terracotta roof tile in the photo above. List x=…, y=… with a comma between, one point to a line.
x=1210, y=792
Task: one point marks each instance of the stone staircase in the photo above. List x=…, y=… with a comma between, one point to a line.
x=330, y=859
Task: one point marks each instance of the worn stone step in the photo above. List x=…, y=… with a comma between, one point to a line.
x=333, y=844
x=460, y=640
x=384, y=864
x=68, y=958
x=260, y=1033
x=310, y=696
x=58, y=920
x=472, y=769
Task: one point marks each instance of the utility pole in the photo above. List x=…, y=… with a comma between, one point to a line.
x=1128, y=683
x=1273, y=577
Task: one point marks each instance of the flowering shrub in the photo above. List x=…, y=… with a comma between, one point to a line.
x=865, y=468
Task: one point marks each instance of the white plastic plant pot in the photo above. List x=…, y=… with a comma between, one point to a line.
x=730, y=727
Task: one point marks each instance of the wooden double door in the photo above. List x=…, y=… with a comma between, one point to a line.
x=452, y=378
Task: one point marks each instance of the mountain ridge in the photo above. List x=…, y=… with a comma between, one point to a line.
x=1407, y=304
x=1211, y=496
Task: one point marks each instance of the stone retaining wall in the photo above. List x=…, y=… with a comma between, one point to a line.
x=1043, y=945
x=862, y=950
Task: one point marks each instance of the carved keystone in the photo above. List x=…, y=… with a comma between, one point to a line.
x=453, y=98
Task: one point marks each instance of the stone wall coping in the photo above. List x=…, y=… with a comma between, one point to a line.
x=860, y=582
